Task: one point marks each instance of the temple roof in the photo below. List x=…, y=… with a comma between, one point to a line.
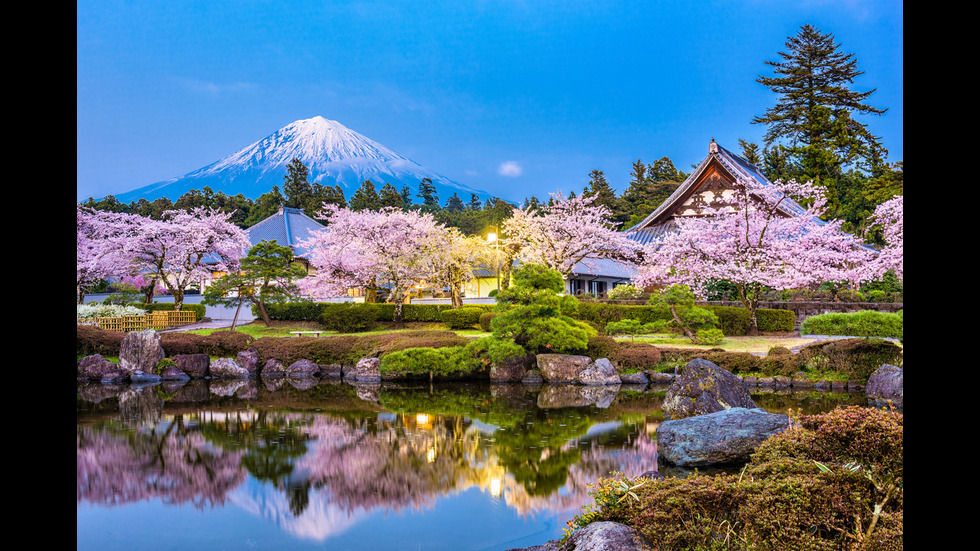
x=287, y=227
x=733, y=167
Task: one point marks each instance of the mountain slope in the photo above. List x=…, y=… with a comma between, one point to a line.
x=333, y=153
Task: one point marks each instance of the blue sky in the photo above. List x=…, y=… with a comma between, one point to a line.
x=516, y=97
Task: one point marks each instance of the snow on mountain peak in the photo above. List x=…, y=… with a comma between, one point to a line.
x=333, y=154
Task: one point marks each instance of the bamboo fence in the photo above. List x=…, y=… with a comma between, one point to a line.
x=163, y=319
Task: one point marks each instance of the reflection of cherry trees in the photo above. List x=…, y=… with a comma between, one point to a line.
x=173, y=465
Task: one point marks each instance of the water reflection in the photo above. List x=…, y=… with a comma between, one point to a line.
x=317, y=459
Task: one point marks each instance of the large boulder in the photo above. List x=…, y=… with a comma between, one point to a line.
x=885, y=387
x=274, y=368
x=249, y=359
x=227, y=368
x=702, y=388
x=510, y=370
x=597, y=536
x=562, y=368
x=94, y=367
x=140, y=351
x=724, y=437
x=303, y=368
x=599, y=372
x=197, y=366
x=367, y=370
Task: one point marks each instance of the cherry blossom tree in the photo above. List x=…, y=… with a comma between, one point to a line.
x=97, y=254
x=371, y=248
x=889, y=215
x=566, y=232
x=761, y=238
x=182, y=248
x=455, y=260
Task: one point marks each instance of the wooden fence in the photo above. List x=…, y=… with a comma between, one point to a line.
x=154, y=320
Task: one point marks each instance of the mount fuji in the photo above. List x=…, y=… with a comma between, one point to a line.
x=333, y=153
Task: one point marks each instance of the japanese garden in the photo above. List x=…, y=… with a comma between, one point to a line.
x=711, y=359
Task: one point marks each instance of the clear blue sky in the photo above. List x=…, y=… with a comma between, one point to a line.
x=552, y=90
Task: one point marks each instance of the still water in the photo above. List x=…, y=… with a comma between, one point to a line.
x=324, y=464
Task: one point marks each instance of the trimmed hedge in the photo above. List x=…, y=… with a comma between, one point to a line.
x=866, y=323
x=466, y=317
x=313, y=311
x=731, y=320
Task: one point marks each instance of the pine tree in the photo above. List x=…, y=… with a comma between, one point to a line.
x=427, y=192
x=389, y=197
x=365, y=198
x=296, y=186
x=813, y=118
x=599, y=188
x=455, y=204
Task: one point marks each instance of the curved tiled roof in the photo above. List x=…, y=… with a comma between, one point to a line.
x=289, y=226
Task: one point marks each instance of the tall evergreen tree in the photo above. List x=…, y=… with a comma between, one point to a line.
x=455, y=204
x=813, y=119
x=475, y=202
x=599, y=188
x=389, y=197
x=406, y=196
x=427, y=193
x=296, y=185
x=365, y=198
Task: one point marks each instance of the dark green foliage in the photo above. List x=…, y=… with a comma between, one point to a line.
x=858, y=358
x=446, y=363
x=866, y=323
x=485, y=320
x=313, y=311
x=731, y=320
x=535, y=317
x=831, y=481
x=349, y=349
x=348, y=317
x=462, y=318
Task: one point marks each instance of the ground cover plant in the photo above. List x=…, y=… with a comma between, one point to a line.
x=830, y=481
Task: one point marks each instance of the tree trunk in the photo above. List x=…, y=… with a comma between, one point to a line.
x=397, y=297
x=263, y=313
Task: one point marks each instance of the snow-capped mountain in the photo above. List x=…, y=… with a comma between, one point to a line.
x=333, y=153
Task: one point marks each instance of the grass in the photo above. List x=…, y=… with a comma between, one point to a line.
x=755, y=345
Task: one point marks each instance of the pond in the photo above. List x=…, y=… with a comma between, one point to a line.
x=324, y=464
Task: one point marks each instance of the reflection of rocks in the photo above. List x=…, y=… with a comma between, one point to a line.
x=140, y=351
x=95, y=393
x=367, y=391
x=273, y=383
x=195, y=390
x=302, y=383
x=570, y=396
x=703, y=387
x=140, y=406
x=724, y=437
x=227, y=387
x=332, y=371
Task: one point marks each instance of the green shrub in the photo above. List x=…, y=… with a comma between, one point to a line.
x=485, y=320
x=447, y=362
x=198, y=309
x=348, y=317
x=866, y=323
x=857, y=358
x=710, y=337
x=462, y=318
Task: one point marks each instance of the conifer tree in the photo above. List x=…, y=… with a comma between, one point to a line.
x=813, y=120
x=365, y=198
x=389, y=197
